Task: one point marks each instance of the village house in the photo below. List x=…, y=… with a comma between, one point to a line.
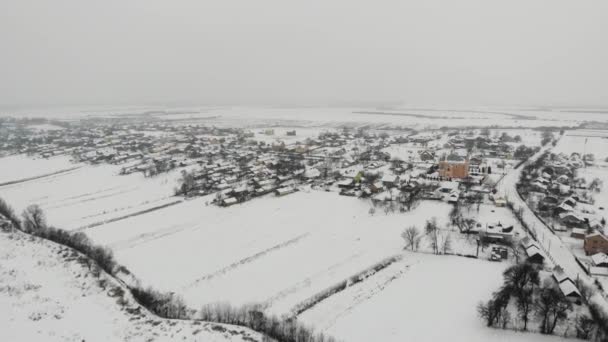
x=596, y=243
x=532, y=250
x=570, y=291
x=390, y=181
x=600, y=260
x=454, y=166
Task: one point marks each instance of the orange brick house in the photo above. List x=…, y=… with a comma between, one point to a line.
x=596, y=243
x=454, y=166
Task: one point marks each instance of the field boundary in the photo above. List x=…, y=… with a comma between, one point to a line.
x=137, y=213
x=246, y=260
x=343, y=285
x=23, y=180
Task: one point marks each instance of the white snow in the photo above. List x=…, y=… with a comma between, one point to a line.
x=47, y=295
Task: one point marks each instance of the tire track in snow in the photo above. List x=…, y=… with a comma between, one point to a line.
x=148, y=237
x=246, y=260
x=137, y=213
x=95, y=198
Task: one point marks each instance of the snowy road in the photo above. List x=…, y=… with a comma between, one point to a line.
x=557, y=252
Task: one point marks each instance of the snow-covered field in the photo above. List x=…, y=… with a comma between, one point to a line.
x=303, y=116
x=21, y=167
x=424, y=298
x=86, y=195
x=275, y=251
x=46, y=294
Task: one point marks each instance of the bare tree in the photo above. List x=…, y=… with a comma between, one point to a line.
x=551, y=307
x=586, y=291
x=525, y=301
x=411, y=235
x=34, y=218
x=8, y=213
x=446, y=244
x=432, y=231
x=520, y=281
x=467, y=225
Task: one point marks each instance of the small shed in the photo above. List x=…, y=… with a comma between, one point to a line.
x=600, y=260
x=535, y=255
x=578, y=233
x=570, y=291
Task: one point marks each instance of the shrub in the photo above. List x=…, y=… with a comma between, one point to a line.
x=9, y=213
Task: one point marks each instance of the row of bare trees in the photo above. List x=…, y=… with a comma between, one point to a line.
x=439, y=241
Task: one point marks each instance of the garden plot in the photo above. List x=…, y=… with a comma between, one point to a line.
x=426, y=298
x=89, y=194
x=274, y=251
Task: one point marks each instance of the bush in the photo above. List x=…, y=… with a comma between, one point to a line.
x=251, y=316
x=163, y=304
x=9, y=213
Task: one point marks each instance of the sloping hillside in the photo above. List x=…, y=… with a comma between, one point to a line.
x=48, y=292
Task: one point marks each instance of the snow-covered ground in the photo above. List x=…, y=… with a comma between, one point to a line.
x=251, y=116
x=86, y=195
x=271, y=250
x=423, y=298
x=21, y=167
x=279, y=251
x=274, y=251
x=46, y=294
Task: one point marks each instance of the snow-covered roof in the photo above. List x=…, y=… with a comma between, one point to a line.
x=449, y=185
x=560, y=276
x=312, y=173
x=534, y=250
x=230, y=200
x=568, y=289
x=600, y=271
x=599, y=258
x=579, y=231
x=389, y=178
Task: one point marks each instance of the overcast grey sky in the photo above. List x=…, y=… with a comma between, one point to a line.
x=467, y=52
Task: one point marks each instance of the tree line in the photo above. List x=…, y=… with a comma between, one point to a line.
x=523, y=299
